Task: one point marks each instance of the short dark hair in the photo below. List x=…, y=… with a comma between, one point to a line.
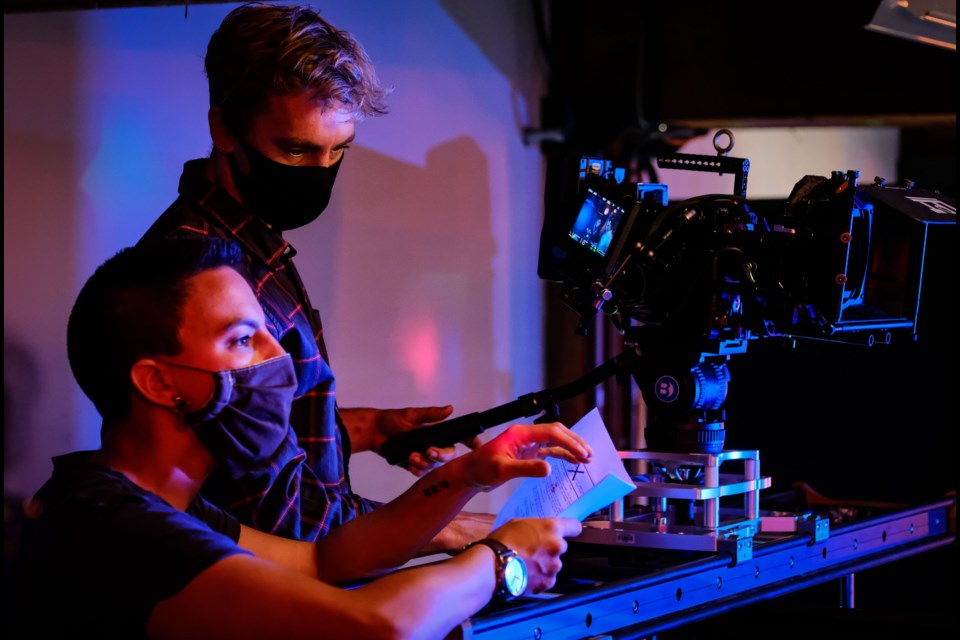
x=261, y=50
x=131, y=308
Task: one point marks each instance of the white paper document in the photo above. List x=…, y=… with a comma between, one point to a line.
x=573, y=490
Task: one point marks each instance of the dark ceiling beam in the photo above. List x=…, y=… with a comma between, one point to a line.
x=37, y=6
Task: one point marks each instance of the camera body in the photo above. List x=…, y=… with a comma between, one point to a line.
x=689, y=284
x=839, y=262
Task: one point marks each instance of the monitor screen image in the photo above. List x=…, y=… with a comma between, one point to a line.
x=596, y=223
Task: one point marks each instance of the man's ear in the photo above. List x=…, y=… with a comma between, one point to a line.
x=152, y=383
x=222, y=139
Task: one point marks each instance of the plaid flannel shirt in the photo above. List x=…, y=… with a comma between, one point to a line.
x=303, y=489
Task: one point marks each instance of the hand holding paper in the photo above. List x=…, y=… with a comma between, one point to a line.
x=573, y=490
x=520, y=451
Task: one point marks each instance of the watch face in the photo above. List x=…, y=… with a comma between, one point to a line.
x=515, y=576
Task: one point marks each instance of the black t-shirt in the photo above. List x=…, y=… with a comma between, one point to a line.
x=98, y=552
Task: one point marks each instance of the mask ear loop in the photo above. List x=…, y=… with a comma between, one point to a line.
x=180, y=405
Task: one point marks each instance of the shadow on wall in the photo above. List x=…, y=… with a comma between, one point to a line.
x=21, y=388
x=427, y=309
x=422, y=282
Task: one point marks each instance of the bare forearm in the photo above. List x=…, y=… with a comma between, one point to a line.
x=465, y=528
x=245, y=597
x=397, y=531
x=293, y=555
x=427, y=602
x=360, y=424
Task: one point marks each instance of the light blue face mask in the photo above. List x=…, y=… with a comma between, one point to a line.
x=248, y=416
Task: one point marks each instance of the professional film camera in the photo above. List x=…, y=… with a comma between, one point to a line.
x=692, y=283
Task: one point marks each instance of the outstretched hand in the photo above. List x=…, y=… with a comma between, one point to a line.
x=520, y=451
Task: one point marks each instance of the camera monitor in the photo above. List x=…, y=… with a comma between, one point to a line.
x=596, y=223
x=595, y=229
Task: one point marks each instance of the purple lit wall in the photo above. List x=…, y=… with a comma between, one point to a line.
x=423, y=266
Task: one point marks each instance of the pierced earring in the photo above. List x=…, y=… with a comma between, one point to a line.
x=181, y=409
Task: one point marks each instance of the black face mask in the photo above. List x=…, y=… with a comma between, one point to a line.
x=284, y=196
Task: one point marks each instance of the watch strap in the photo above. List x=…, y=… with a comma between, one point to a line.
x=502, y=552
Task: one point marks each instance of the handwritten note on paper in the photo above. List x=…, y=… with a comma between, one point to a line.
x=573, y=490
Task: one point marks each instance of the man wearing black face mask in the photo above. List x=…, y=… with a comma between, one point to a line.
x=287, y=196
x=286, y=91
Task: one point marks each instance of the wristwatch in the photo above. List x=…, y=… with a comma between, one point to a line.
x=511, y=569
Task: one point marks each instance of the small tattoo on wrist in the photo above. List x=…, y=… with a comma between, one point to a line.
x=435, y=488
